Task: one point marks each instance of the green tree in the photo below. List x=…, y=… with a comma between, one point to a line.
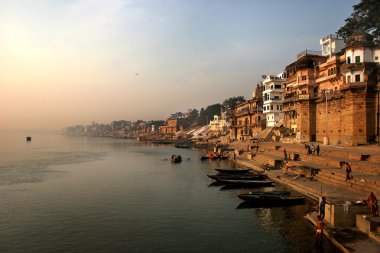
x=365, y=18
x=230, y=103
x=208, y=114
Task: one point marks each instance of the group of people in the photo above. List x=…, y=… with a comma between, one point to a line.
x=311, y=149
x=371, y=202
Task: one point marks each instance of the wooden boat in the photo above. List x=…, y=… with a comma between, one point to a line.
x=247, y=182
x=204, y=158
x=182, y=145
x=176, y=159
x=269, y=193
x=163, y=141
x=28, y=138
x=245, y=176
x=233, y=171
x=272, y=199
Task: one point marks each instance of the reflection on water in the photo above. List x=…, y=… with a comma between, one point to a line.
x=63, y=194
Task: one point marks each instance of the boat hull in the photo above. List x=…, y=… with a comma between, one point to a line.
x=271, y=199
x=233, y=171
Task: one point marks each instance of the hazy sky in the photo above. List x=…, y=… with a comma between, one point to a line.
x=66, y=62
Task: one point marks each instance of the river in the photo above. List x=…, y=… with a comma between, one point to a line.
x=77, y=194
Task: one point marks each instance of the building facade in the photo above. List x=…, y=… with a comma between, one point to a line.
x=332, y=96
x=272, y=98
x=248, y=119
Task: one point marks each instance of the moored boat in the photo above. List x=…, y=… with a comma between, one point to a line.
x=204, y=157
x=244, y=176
x=247, y=182
x=182, y=145
x=233, y=171
x=267, y=193
x=271, y=199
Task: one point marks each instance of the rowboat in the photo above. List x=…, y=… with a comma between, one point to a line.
x=244, y=176
x=271, y=199
x=268, y=193
x=232, y=171
x=247, y=182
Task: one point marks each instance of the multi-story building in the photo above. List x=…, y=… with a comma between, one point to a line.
x=299, y=95
x=272, y=98
x=218, y=124
x=333, y=96
x=248, y=119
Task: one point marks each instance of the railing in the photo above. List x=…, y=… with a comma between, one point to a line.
x=309, y=52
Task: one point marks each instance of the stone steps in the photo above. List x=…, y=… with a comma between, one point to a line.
x=368, y=167
x=351, y=185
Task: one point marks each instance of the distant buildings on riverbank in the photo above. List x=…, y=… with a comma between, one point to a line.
x=329, y=96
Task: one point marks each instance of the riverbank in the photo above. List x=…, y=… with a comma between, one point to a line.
x=342, y=212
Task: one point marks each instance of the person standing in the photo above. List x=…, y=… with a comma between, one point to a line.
x=372, y=203
x=312, y=149
x=322, y=207
x=348, y=171
x=318, y=149
x=285, y=155
x=318, y=232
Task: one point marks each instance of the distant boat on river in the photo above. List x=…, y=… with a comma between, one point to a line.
x=28, y=138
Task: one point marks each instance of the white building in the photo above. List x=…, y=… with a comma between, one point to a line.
x=331, y=45
x=359, y=56
x=218, y=124
x=272, y=98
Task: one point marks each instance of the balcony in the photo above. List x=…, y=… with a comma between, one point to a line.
x=354, y=85
x=351, y=67
x=324, y=77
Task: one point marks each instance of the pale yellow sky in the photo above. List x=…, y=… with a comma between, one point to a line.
x=69, y=62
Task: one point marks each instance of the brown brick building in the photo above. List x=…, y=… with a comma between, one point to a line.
x=334, y=97
x=248, y=118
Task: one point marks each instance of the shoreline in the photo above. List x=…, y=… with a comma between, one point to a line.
x=315, y=189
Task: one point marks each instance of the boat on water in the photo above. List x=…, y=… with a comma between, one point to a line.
x=248, y=182
x=232, y=171
x=176, y=159
x=267, y=193
x=163, y=141
x=28, y=138
x=182, y=145
x=204, y=157
x=271, y=199
x=244, y=176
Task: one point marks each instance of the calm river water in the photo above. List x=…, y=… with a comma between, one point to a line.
x=72, y=194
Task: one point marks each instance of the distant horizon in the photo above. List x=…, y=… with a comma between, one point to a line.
x=73, y=62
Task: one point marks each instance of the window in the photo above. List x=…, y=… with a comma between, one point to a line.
x=348, y=60
x=303, y=78
x=357, y=78
x=271, y=87
x=376, y=58
x=271, y=107
x=278, y=86
x=357, y=59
